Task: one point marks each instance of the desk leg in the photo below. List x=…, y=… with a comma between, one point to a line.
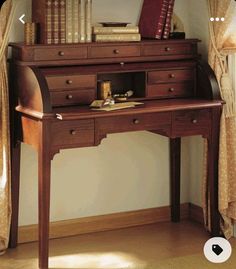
x=15, y=184
x=44, y=173
x=175, y=147
x=212, y=171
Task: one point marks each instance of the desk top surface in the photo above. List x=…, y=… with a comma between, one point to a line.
x=151, y=106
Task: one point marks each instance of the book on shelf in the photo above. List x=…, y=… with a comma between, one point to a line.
x=75, y=21
x=116, y=37
x=167, y=26
x=55, y=21
x=62, y=21
x=116, y=30
x=152, y=18
x=88, y=21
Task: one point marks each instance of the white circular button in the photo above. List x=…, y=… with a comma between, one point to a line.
x=217, y=250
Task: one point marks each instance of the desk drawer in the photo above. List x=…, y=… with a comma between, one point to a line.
x=193, y=122
x=171, y=90
x=168, y=49
x=149, y=121
x=66, y=134
x=70, y=97
x=60, y=53
x=161, y=76
x=115, y=51
x=71, y=81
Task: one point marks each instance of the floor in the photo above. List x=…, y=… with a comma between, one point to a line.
x=125, y=248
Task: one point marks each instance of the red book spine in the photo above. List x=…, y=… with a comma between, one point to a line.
x=55, y=21
x=62, y=22
x=167, y=27
x=152, y=18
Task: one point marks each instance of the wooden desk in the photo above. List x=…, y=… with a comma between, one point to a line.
x=53, y=85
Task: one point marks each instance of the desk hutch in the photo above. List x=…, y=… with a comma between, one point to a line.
x=53, y=85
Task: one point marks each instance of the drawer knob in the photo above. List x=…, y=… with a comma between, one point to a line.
x=167, y=49
x=172, y=75
x=122, y=64
x=69, y=96
x=61, y=53
x=136, y=121
x=116, y=51
x=171, y=89
x=69, y=81
x=194, y=121
x=73, y=132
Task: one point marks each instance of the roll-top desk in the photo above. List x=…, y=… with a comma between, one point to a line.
x=52, y=87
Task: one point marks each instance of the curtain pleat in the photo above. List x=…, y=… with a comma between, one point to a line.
x=6, y=16
x=227, y=146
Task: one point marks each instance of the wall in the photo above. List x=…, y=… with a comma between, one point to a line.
x=126, y=172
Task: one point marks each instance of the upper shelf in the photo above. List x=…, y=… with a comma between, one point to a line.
x=71, y=54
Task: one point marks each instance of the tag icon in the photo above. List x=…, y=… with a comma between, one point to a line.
x=217, y=249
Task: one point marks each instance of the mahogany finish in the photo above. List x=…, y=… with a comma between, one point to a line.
x=53, y=86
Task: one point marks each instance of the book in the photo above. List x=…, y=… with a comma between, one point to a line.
x=62, y=21
x=116, y=37
x=88, y=21
x=115, y=30
x=41, y=14
x=55, y=21
x=152, y=18
x=75, y=21
x=69, y=21
x=167, y=27
x=82, y=21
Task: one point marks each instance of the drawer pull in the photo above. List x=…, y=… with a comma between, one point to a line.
x=61, y=53
x=172, y=75
x=136, y=121
x=69, y=81
x=69, y=96
x=194, y=121
x=73, y=132
x=116, y=51
x=167, y=49
x=171, y=89
x=122, y=64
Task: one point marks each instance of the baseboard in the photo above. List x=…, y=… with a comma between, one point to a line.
x=114, y=221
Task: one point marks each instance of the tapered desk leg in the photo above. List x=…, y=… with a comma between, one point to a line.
x=15, y=180
x=212, y=173
x=175, y=146
x=44, y=173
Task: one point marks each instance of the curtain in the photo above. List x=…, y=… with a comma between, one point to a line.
x=6, y=16
x=222, y=43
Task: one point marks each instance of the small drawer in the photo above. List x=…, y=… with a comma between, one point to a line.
x=68, y=97
x=171, y=90
x=71, y=82
x=193, y=122
x=73, y=133
x=60, y=53
x=153, y=121
x=114, y=51
x=168, y=49
x=170, y=75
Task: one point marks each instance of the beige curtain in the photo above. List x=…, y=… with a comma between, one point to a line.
x=220, y=38
x=6, y=15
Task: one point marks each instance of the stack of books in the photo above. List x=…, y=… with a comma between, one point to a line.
x=155, y=18
x=116, y=34
x=63, y=21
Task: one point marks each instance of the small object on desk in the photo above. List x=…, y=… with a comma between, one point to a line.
x=114, y=24
x=123, y=96
x=104, y=89
x=118, y=106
